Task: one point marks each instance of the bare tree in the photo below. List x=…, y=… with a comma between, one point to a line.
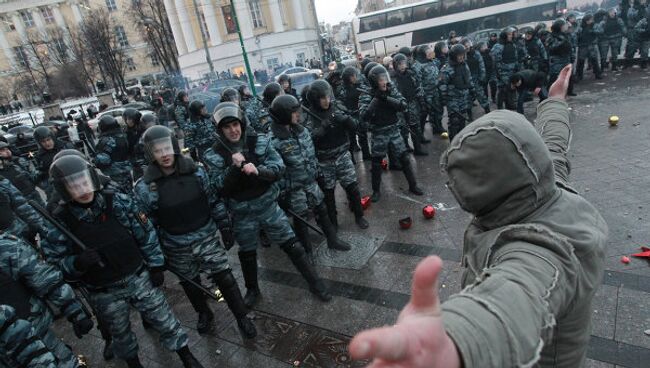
x=68, y=49
x=101, y=43
x=37, y=58
x=151, y=19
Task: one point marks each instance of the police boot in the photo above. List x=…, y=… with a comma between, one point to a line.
x=248, y=262
x=134, y=363
x=365, y=146
x=375, y=170
x=333, y=241
x=299, y=260
x=302, y=233
x=393, y=162
x=330, y=202
x=410, y=176
x=355, y=202
x=107, y=352
x=417, y=144
x=423, y=123
x=200, y=305
x=188, y=359
x=230, y=291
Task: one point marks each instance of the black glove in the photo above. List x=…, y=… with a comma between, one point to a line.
x=398, y=105
x=157, y=275
x=228, y=237
x=86, y=260
x=82, y=326
x=339, y=119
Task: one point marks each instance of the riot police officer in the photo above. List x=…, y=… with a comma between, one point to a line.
x=48, y=146
x=19, y=172
x=113, y=152
x=199, y=130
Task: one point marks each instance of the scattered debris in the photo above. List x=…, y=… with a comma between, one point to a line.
x=613, y=120
x=637, y=123
x=645, y=253
x=647, y=332
x=365, y=202
x=428, y=211
x=405, y=223
x=625, y=259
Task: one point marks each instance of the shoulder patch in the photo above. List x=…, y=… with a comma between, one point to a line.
x=142, y=217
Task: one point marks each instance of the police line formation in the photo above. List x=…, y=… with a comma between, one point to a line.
x=251, y=163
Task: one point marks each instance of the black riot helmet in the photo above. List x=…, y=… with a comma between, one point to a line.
x=107, y=123
x=131, y=114
x=365, y=61
x=456, y=51
x=159, y=141
x=318, y=89
x=284, y=78
x=230, y=94
x=304, y=95
x=557, y=25
x=68, y=152
x=334, y=77
x=282, y=108
x=398, y=59
x=348, y=73
x=467, y=42
x=271, y=91
x=226, y=112
x=600, y=15
x=196, y=107
x=4, y=145
x=73, y=176
x=368, y=68
x=406, y=51
x=244, y=91
x=148, y=120
x=180, y=97
x=376, y=74
x=41, y=133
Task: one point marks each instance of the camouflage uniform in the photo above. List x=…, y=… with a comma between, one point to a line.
x=348, y=95
x=384, y=133
x=20, y=173
x=506, y=62
x=19, y=345
x=477, y=70
x=642, y=35
x=114, y=299
x=455, y=88
x=409, y=87
x=40, y=281
x=613, y=31
x=537, y=57
x=199, y=134
x=42, y=163
x=588, y=48
x=560, y=53
x=181, y=115
x=112, y=158
x=257, y=115
x=18, y=217
x=430, y=79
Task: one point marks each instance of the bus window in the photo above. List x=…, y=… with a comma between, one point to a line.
x=373, y=23
x=426, y=11
x=455, y=6
x=397, y=17
x=365, y=46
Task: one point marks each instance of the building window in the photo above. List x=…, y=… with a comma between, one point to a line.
x=154, y=59
x=21, y=56
x=120, y=34
x=27, y=18
x=256, y=13
x=46, y=12
x=60, y=47
x=272, y=63
x=130, y=64
x=111, y=5
x=7, y=23
x=230, y=22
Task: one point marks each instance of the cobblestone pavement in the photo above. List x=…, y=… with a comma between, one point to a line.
x=371, y=284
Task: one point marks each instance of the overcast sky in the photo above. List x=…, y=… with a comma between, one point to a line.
x=334, y=11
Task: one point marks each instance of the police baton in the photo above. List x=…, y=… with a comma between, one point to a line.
x=304, y=221
x=216, y=295
x=60, y=227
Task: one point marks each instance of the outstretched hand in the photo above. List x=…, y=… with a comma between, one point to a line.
x=560, y=87
x=419, y=338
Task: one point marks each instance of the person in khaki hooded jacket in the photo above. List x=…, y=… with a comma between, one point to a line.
x=533, y=255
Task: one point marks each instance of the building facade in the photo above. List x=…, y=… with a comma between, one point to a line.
x=51, y=20
x=275, y=32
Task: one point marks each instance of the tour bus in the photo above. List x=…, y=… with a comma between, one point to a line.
x=383, y=32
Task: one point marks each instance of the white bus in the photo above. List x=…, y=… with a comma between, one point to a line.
x=384, y=32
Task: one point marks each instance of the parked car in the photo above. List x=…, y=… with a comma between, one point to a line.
x=298, y=70
x=21, y=137
x=116, y=112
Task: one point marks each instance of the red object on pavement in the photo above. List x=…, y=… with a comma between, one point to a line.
x=405, y=223
x=384, y=164
x=625, y=259
x=429, y=211
x=644, y=254
x=365, y=202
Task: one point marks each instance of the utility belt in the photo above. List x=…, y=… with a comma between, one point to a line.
x=120, y=284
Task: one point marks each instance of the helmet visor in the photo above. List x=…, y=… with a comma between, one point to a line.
x=161, y=147
x=79, y=184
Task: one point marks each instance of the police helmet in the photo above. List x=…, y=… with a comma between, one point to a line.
x=230, y=94
x=196, y=107
x=107, y=123
x=271, y=91
x=226, y=112
x=318, y=90
x=376, y=74
x=73, y=176
x=406, y=51
x=149, y=119
x=68, y=152
x=348, y=73
x=41, y=133
x=131, y=114
x=368, y=68
x=455, y=51
x=159, y=141
x=283, y=106
x=398, y=59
